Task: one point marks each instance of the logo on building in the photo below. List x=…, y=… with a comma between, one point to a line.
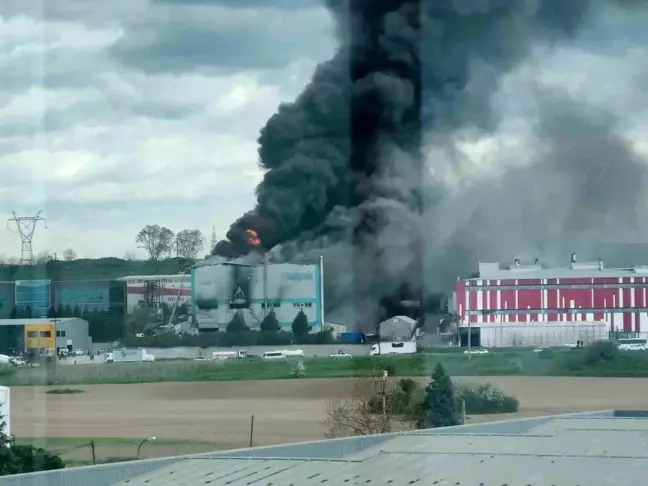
x=297, y=276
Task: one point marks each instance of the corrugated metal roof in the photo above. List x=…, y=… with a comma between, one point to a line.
x=569, y=450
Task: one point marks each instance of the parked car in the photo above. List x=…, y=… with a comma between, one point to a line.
x=476, y=351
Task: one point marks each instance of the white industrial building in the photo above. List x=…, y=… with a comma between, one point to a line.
x=220, y=290
x=157, y=290
x=398, y=328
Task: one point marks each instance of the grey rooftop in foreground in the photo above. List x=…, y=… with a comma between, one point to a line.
x=586, y=449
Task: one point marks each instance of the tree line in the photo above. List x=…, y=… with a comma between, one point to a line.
x=160, y=241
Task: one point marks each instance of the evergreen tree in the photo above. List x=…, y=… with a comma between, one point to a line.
x=270, y=323
x=51, y=313
x=237, y=324
x=60, y=310
x=13, y=314
x=440, y=407
x=76, y=312
x=300, y=325
x=67, y=312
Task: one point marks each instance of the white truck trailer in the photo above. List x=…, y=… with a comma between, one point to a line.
x=128, y=356
x=393, y=347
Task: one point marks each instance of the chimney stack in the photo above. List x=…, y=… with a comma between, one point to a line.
x=537, y=261
x=573, y=257
x=517, y=262
x=600, y=262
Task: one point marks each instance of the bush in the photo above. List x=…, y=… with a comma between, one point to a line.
x=600, y=352
x=482, y=399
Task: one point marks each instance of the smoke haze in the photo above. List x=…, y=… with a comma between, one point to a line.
x=365, y=201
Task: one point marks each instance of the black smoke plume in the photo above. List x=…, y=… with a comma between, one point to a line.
x=345, y=176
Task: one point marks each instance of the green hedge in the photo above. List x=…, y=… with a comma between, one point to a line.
x=483, y=399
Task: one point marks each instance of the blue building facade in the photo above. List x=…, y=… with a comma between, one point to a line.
x=35, y=295
x=42, y=295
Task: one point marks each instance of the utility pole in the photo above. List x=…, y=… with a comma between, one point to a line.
x=26, y=227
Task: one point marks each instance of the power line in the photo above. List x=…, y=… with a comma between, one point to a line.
x=26, y=228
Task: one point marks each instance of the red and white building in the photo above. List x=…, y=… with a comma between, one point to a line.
x=582, y=292
x=171, y=288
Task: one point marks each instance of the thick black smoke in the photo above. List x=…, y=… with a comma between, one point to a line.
x=344, y=173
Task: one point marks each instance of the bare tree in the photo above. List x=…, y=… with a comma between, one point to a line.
x=156, y=240
x=189, y=243
x=130, y=256
x=69, y=255
x=363, y=413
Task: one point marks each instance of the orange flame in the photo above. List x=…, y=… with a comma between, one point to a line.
x=253, y=237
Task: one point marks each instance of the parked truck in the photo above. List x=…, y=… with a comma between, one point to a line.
x=393, y=347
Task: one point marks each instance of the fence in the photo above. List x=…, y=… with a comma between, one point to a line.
x=556, y=335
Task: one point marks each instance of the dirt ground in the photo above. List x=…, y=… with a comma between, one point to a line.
x=219, y=413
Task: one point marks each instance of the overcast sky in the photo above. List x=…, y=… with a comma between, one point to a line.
x=115, y=114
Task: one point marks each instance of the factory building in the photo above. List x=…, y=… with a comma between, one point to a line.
x=43, y=336
x=39, y=296
x=582, y=294
x=156, y=290
x=221, y=290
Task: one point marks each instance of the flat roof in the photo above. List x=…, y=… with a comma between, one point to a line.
x=494, y=271
x=596, y=448
x=37, y=320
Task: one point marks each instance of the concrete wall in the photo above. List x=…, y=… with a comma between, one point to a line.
x=509, y=335
x=309, y=351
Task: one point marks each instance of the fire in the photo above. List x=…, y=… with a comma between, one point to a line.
x=253, y=237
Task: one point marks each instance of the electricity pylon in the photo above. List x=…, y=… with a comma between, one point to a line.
x=26, y=227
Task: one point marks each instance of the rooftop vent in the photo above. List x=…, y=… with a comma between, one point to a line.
x=573, y=257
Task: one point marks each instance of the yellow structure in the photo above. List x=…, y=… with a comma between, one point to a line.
x=40, y=338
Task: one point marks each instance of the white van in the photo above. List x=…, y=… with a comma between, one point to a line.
x=274, y=355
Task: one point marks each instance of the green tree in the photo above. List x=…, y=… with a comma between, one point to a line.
x=270, y=323
x=237, y=324
x=300, y=325
x=77, y=312
x=440, y=406
x=60, y=310
x=68, y=312
x=156, y=240
x=14, y=313
x=51, y=313
x=18, y=459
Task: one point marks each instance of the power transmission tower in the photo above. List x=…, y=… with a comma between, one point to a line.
x=26, y=227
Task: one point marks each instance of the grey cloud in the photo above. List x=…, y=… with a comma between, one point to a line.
x=200, y=39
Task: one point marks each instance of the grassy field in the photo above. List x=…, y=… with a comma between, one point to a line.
x=505, y=362
x=497, y=363
x=76, y=451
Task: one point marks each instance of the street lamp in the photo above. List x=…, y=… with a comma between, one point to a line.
x=142, y=443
